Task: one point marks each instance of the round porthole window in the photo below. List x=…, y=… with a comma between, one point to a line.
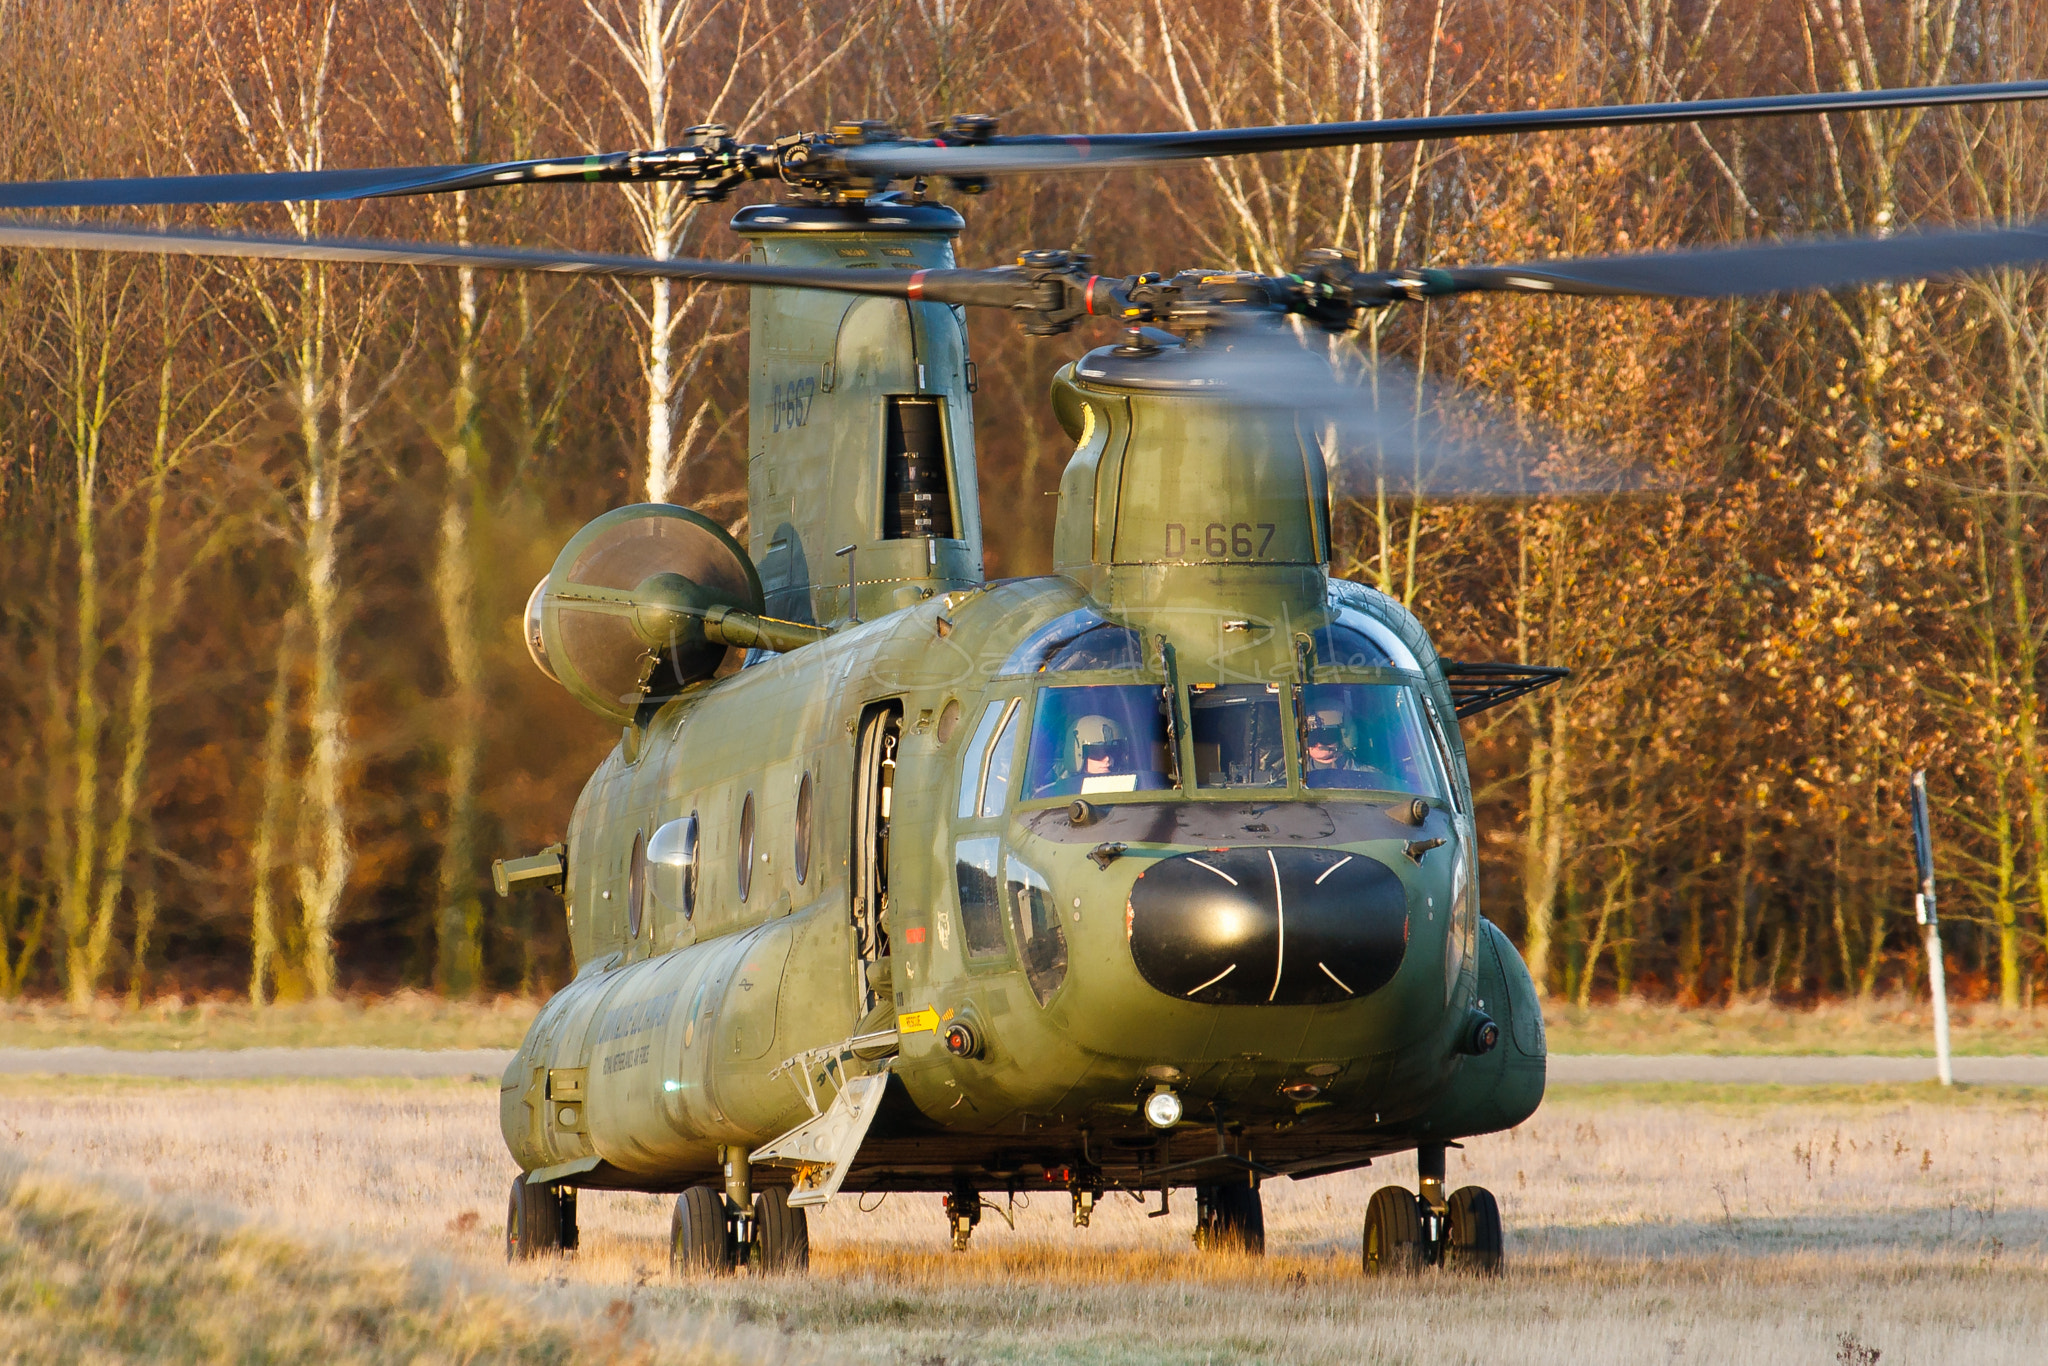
x=746, y=846
x=803, y=828
x=636, y=885
x=949, y=721
x=672, y=865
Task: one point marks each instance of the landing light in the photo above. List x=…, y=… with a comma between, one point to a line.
x=1162, y=1109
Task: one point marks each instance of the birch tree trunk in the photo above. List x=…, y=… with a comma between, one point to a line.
x=283, y=125
x=449, y=37
x=93, y=312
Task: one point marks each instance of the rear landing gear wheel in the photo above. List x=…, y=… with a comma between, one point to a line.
x=1473, y=1241
x=1230, y=1218
x=1394, y=1244
x=782, y=1236
x=699, y=1234
x=539, y=1220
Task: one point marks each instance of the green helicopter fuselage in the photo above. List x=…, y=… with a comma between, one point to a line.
x=1023, y=916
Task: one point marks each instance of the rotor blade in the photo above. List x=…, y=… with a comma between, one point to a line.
x=1766, y=268
x=1018, y=155
x=63, y=236
x=1384, y=426
x=288, y=186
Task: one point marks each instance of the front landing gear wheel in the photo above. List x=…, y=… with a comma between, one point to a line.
x=782, y=1236
x=1474, y=1239
x=539, y=1220
x=1230, y=1218
x=1394, y=1244
x=699, y=1234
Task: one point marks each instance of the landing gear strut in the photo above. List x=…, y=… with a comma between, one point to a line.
x=963, y=1212
x=1405, y=1232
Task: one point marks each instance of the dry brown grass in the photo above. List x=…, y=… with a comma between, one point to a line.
x=1755, y=1228
x=91, y=1272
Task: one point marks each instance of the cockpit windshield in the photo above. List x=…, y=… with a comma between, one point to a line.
x=1113, y=738
x=1366, y=735
x=1238, y=738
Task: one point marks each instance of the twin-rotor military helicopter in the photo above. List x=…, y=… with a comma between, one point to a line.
x=1155, y=872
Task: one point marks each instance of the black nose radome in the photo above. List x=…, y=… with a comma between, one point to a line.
x=1266, y=926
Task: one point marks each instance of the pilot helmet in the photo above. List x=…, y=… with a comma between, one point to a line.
x=1325, y=726
x=1098, y=737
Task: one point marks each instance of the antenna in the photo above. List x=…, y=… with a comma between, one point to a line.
x=1923, y=911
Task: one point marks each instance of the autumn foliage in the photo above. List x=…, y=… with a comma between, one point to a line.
x=266, y=531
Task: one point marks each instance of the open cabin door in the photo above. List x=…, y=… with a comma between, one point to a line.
x=881, y=727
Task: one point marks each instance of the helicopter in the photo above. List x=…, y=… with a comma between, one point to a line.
x=1153, y=874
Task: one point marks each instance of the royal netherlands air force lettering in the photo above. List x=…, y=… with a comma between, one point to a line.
x=623, y=1022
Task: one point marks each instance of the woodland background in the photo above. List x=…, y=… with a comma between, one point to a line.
x=266, y=531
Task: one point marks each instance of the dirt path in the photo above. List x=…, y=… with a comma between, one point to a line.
x=205, y=1064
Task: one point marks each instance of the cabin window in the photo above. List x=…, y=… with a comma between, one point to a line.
x=981, y=906
x=1371, y=736
x=1339, y=646
x=672, y=865
x=1111, y=738
x=636, y=884
x=949, y=720
x=1035, y=916
x=986, y=758
x=746, y=849
x=1041, y=645
x=1102, y=647
x=1238, y=738
x=803, y=828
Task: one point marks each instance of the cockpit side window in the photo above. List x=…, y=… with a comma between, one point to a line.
x=1370, y=736
x=1035, y=919
x=1094, y=740
x=975, y=871
x=985, y=759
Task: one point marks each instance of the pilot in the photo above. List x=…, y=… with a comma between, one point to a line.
x=1326, y=760
x=1329, y=760
x=1100, y=750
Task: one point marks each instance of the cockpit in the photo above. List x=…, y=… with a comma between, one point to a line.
x=1096, y=740
x=1085, y=732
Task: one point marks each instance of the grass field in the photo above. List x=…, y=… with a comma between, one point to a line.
x=418, y=1020
x=1752, y=1225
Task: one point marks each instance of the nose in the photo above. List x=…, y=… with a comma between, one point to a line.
x=1266, y=926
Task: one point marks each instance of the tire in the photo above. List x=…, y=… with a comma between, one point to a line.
x=533, y=1221
x=782, y=1236
x=1474, y=1241
x=699, y=1236
x=1230, y=1218
x=1393, y=1242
